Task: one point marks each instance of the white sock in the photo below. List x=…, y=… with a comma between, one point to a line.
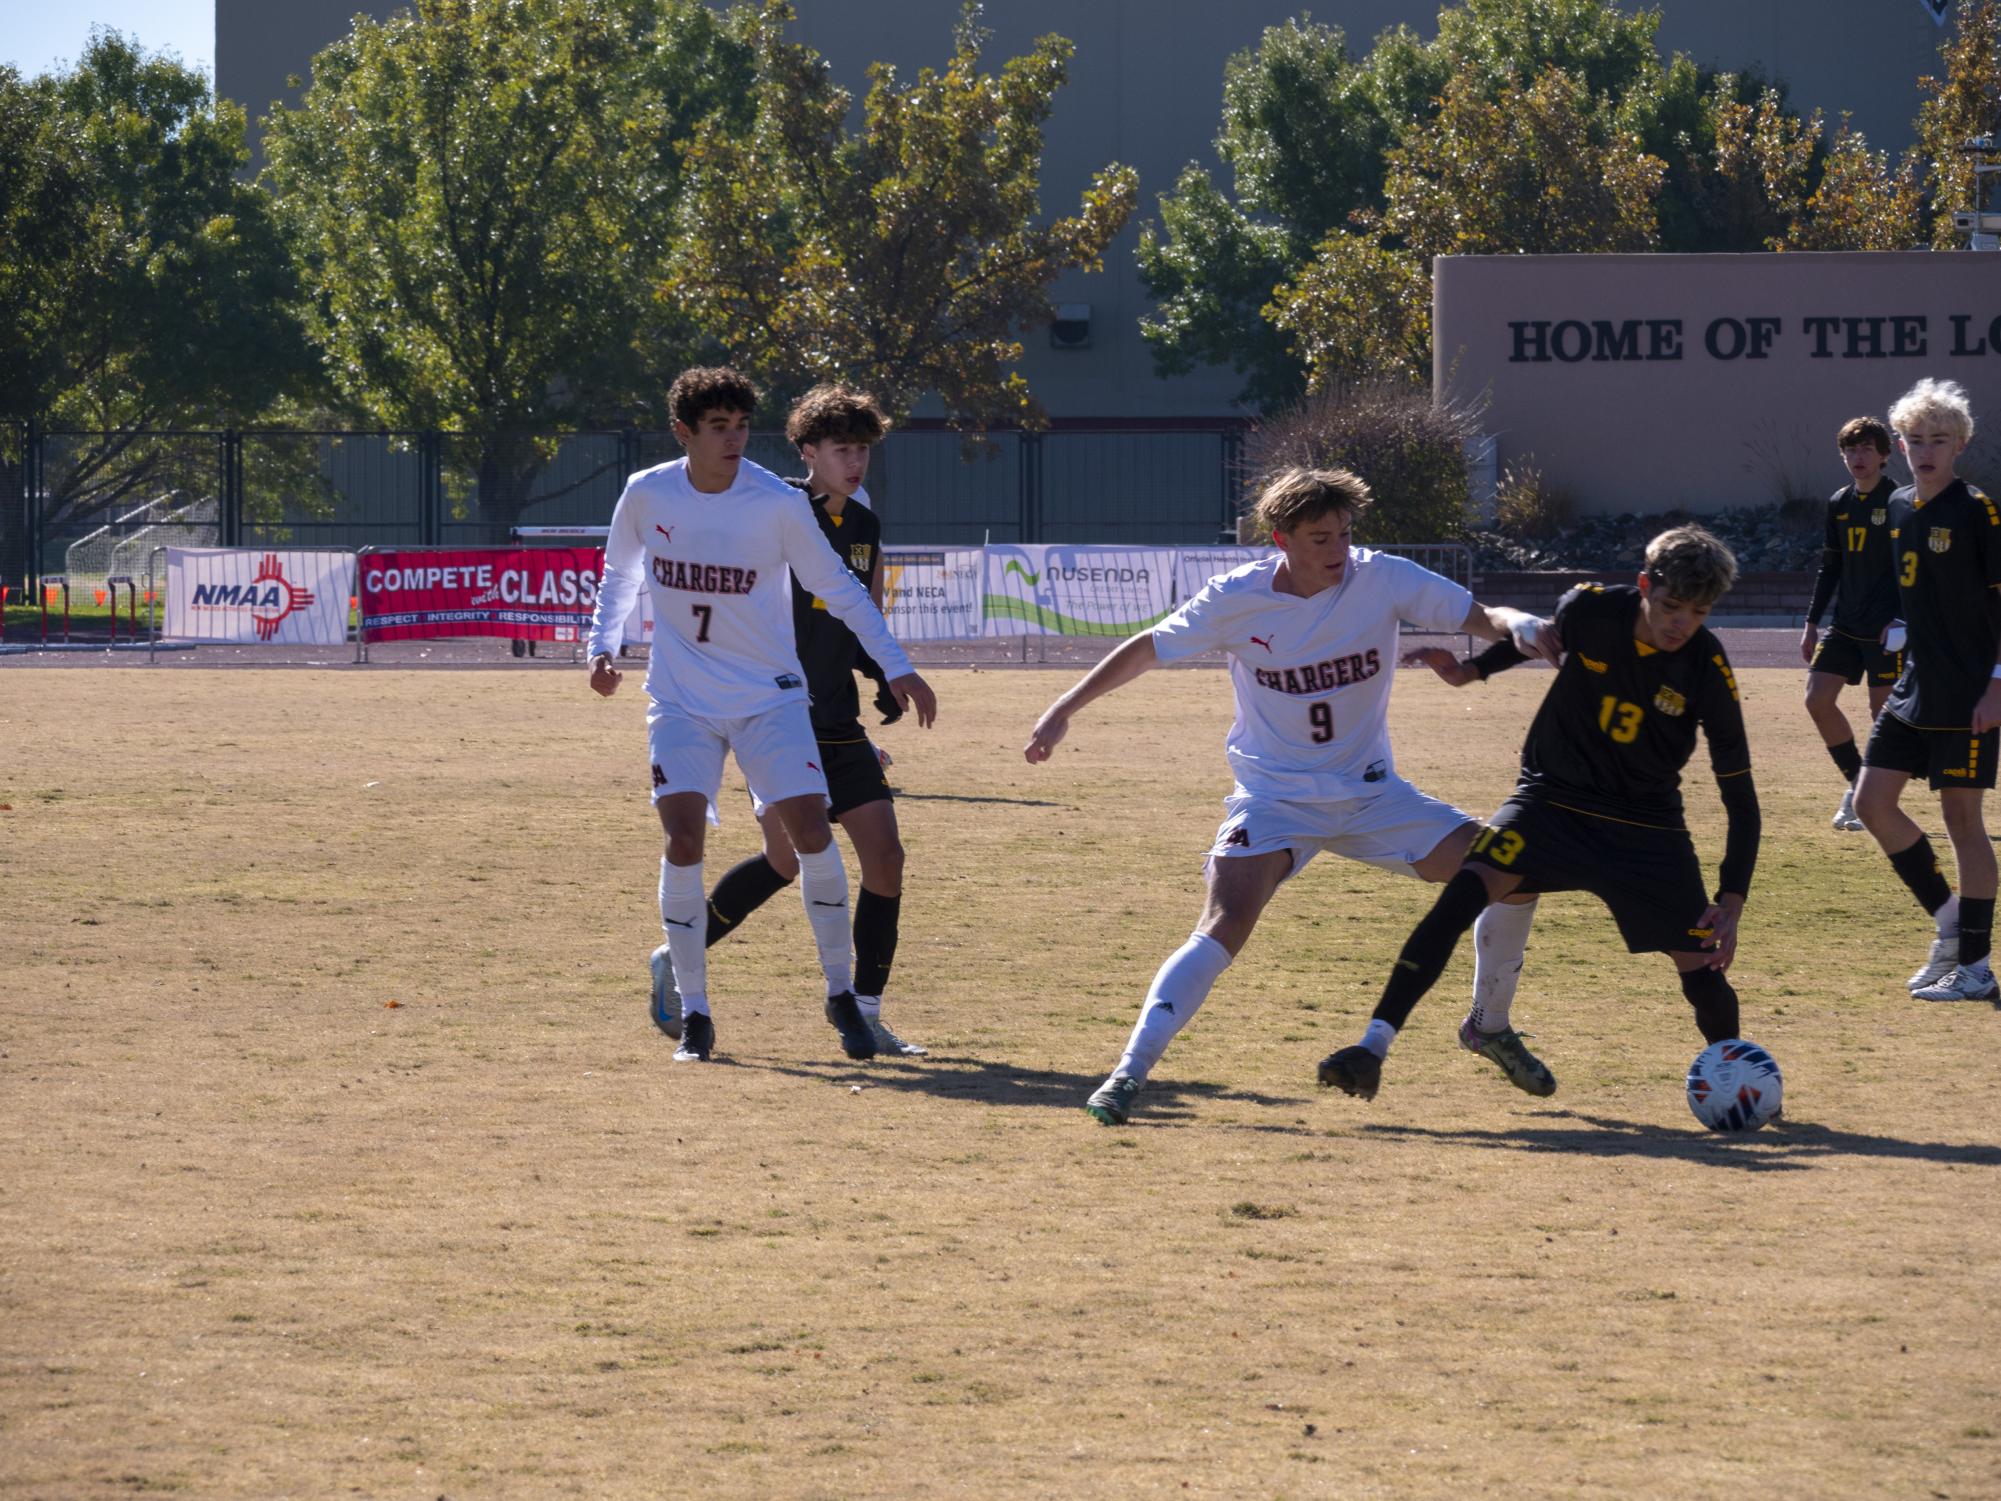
x=823, y=886
x=1500, y=938
x=1178, y=990
x=683, y=917
x=1947, y=917
x=871, y=1005
x=1378, y=1037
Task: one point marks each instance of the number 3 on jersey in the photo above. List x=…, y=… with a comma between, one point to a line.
x=1620, y=720
x=1321, y=717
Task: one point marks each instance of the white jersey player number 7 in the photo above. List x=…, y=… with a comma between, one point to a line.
x=723, y=644
x=1312, y=676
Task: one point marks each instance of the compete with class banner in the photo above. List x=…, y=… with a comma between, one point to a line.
x=931, y=594
x=533, y=593
x=257, y=595
x=1051, y=589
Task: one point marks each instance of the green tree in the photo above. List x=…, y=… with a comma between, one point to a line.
x=1312, y=136
x=482, y=197
x=1860, y=202
x=1304, y=132
x=1963, y=104
x=1533, y=170
x=906, y=257
x=144, y=286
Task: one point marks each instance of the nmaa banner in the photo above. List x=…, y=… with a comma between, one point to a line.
x=257, y=595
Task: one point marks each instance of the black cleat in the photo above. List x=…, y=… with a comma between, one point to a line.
x=857, y=1041
x=1355, y=1071
x=698, y=1038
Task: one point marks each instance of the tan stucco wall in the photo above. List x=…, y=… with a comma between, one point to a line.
x=1647, y=382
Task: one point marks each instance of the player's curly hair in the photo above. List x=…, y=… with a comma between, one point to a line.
x=1293, y=497
x=1944, y=402
x=704, y=389
x=1691, y=564
x=1859, y=430
x=835, y=414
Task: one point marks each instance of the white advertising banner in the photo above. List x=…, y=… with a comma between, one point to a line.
x=1049, y=589
x=1195, y=566
x=257, y=595
x=932, y=593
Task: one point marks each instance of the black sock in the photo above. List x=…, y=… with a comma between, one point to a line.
x=875, y=940
x=1430, y=944
x=1714, y=1001
x=1976, y=928
x=742, y=890
x=1847, y=758
x=1918, y=868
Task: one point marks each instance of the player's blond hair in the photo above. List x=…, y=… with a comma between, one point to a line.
x=1691, y=564
x=1296, y=496
x=1943, y=402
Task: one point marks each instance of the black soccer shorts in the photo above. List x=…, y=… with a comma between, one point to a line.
x=1946, y=758
x=1649, y=877
x=1852, y=658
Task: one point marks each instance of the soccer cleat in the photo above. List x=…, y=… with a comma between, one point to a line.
x=1943, y=961
x=1355, y=1071
x=1975, y=984
x=887, y=1041
x=1525, y=1071
x=1844, y=816
x=1113, y=1101
x=857, y=1041
x=698, y=1038
x=666, y=999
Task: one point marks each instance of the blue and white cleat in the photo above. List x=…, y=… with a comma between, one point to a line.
x=666, y=999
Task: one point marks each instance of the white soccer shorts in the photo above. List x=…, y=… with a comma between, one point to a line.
x=1393, y=826
x=775, y=750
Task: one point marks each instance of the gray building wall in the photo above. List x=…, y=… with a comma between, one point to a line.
x=1146, y=90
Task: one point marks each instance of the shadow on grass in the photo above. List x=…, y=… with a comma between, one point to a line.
x=957, y=797
x=1787, y=1146
x=989, y=1081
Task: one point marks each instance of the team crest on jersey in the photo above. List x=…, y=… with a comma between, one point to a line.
x=1878, y=516
x=1670, y=702
x=1591, y=664
x=1940, y=539
x=858, y=556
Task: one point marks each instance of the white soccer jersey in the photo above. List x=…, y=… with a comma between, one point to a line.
x=1312, y=676
x=723, y=643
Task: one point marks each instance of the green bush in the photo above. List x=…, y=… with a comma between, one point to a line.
x=1526, y=504
x=1410, y=450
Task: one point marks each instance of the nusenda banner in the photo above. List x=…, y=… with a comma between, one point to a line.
x=534, y=593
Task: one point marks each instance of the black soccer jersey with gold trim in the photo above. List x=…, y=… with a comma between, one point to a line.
x=827, y=648
x=1948, y=562
x=1618, y=724
x=1857, y=552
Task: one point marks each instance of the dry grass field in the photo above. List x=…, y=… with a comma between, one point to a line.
x=338, y=1157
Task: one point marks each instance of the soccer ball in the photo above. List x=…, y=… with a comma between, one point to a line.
x=1734, y=1086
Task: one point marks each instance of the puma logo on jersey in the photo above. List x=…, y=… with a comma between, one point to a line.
x=665, y=531
x=1261, y=641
